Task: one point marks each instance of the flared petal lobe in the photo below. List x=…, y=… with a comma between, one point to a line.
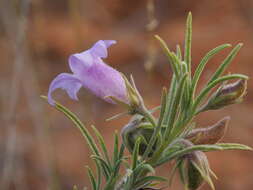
x=91, y=72
x=67, y=82
x=79, y=62
x=99, y=49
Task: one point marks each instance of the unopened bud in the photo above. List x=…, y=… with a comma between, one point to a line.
x=209, y=135
x=198, y=170
x=195, y=179
x=226, y=95
x=138, y=127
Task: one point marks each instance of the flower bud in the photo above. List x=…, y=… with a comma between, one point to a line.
x=209, y=135
x=198, y=170
x=226, y=95
x=138, y=127
x=195, y=179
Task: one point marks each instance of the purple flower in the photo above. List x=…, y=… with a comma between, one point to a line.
x=92, y=73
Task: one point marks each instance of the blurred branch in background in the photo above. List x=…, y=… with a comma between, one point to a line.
x=76, y=19
x=14, y=18
x=13, y=23
x=150, y=28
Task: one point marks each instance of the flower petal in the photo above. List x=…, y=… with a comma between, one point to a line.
x=104, y=81
x=99, y=49
x=81, y=61
x=67, y=82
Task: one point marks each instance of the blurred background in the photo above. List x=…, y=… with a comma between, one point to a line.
x=40, y=148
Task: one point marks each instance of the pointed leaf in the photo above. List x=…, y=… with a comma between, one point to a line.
x=175, y=107
x=203, y=63
x=158, y=127
x=226, y=62
x=116, y=148
x=188, y=41
x=103, y=163
x=78, y=124
x=233, y=146
x=136, y=153
x=92, y=179
x=168, y=53
x=102, y=144
x=179, y=52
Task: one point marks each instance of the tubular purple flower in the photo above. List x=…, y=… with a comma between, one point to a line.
x=89, y=71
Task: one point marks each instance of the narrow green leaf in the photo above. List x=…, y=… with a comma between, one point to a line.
x=186, y=95
x=158, y=127
x=136, y=153
x=225, y=63
x=121, y=151
x=103, y=163
x=117, y=167
x=203, y=63
x=102, y=144
x=92, y=178
x=179, y=52
x=183, y=173
x=175, y=106
x=168, y=53
x=99, y=175
x=170, y=99
x=78, y=124
x=176, y=60
x=116, y=148
x=233, y=146
x=204, y=148
x=188, y=41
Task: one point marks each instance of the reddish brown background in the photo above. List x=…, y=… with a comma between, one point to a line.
x=40, y=148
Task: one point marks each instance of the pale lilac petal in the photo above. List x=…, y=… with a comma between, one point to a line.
x=108, y=43
x=104, y=81
x=67, y=82
x=80, y=61
x=99, y=49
